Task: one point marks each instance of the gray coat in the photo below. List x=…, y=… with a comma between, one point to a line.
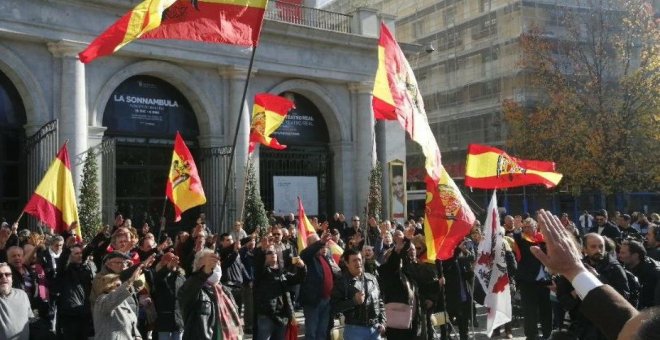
x=114, y=319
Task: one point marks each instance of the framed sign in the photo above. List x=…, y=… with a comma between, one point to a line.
x=397, y=182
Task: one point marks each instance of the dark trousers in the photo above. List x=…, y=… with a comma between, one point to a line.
x=536, y=308
x=72, y=327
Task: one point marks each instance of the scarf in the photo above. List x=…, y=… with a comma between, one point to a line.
x=231, y=327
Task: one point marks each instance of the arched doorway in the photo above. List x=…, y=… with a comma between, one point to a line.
x=306, y=161
x=143, y=114
x=12, y=135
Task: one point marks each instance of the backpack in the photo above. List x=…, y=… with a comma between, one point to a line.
x=634, y=287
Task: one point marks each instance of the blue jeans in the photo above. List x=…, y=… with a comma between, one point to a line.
x=352, y=332
x=317, y=319
x=170, y=335
x=268, y=329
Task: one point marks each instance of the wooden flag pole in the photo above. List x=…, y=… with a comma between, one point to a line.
x=233, y=145
x=162, y=219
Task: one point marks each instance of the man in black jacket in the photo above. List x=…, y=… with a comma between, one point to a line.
x=357, y=295
x=72, y=285
x=168, y=279
x=647, y=270
x=233, y=270
x=604, y=227
x=201, y=299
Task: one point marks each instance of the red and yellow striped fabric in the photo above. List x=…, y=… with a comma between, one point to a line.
x=335, y=251
x=268, y=114
x=305, y=227
x=396, y=96
x=54, y=200
x=447, y=218
x=491, y=168
x=234, y=22
x=184, y=186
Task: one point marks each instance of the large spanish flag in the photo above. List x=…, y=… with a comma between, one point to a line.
x=268, y=114
x=396, y=96
x=54, y=200
x=305, y=227
x=448, y=218
x=491, y=168
x=235, y=22
x=184, y=187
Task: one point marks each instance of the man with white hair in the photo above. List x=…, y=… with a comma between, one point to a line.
x=207, y=309
x=15, y=311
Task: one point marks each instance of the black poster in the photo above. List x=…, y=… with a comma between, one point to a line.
x=303, y=125
x=148, y=106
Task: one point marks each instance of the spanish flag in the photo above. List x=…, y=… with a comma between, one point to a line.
x=234, y=22
x=268, y=114
x=54, y=200
x=305, y=227
x=335, y=251
x=184, y=187
x=447, y=218
x=396, y=96
x=491, y=168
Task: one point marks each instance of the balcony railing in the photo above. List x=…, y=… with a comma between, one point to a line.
x=307, y=16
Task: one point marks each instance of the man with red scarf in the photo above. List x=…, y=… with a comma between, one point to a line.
x=533, y=282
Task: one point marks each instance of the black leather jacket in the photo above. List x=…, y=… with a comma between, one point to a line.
x=198, y=308
x=368, y=314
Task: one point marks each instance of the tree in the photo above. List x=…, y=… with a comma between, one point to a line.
x=375, y=201
x=90, y=204
x=255, y=212
x=598, y=90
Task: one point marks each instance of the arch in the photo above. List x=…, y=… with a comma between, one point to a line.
x=34, y=102
x=181, y=79
x=323, y=100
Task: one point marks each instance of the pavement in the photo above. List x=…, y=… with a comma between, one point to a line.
x=479, y=333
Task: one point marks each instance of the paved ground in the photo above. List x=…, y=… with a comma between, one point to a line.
x=479, y=332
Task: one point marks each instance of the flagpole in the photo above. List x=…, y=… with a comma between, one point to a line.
x=162, y=219
x=233, y=145
x=247, y=164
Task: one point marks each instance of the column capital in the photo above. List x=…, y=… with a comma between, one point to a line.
x=235, y=72
x=65, y=48
x=362, y=87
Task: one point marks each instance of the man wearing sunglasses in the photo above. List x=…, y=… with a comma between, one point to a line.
x=15, y=309
x=603, y=227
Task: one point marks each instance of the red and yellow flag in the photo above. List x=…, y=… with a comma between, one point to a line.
x=234, y=22
x=447, y=219
x=305, y=227
x=54, y=200
x=268, y=114
x=184, y=187
x=491, y=168
x=335, y=251
x=396, y=96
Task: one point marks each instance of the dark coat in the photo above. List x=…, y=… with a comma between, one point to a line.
x=73, y=285
x=610, y=231
x=648, y=273
x=371, y=312
x=618, y=310
x=199, y=308
x=528, y=266
x=272, y=293
x=310, y=292
x=165, y=296
x=458, y=279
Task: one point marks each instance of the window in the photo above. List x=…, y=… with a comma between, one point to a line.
x=450, y=16
x=418, y=28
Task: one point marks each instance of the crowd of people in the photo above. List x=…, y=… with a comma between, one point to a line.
x=368, y=281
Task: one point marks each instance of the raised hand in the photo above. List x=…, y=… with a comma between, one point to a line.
x=562, y=255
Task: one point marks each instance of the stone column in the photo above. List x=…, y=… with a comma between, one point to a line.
x=72, y=113
x=364, y=142
x=236, y=78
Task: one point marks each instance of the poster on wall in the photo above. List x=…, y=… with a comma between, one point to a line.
x=146, y=106
x=397, y=199
x=286, y=190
